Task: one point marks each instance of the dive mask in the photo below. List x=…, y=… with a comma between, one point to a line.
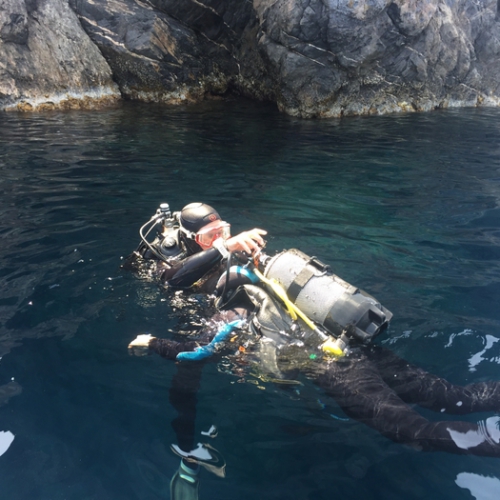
x=206, y=236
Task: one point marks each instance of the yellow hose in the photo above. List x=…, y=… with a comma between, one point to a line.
x=330, y=345
x=293, y=310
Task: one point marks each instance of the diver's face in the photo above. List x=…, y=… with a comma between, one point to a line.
x=206, y=236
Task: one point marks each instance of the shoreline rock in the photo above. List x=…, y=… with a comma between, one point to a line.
x=90, y=99
x=47, y=61
x=313, y=58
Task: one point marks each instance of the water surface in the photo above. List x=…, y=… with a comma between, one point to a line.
x=406, y=207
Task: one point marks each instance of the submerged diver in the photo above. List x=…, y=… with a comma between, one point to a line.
x=295, y=316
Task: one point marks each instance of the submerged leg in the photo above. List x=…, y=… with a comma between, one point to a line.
x=182, y=396
x=416, y=386
x=184, y=484
x=359, y=389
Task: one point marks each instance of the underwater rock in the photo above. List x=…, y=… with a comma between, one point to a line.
x=314, y=58
x=8, y=391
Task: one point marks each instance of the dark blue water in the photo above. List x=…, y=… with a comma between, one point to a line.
x=406, y=207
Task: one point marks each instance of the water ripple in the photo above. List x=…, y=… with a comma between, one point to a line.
x=406, y=207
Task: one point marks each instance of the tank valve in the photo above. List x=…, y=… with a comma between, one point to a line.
x=164, y=211
x=336, y=347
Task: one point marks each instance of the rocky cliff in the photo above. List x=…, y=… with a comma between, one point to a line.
x=314, y=58
x=47, y=60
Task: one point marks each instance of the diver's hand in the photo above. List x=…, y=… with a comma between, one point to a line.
x=140, y=345
x=247, y=241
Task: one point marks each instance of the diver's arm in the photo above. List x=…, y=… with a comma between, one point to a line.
x=188, y=271
x=169, y=349
x=144, y=344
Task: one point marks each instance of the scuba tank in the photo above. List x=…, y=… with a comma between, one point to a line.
x=326, y=299
x=165, y=245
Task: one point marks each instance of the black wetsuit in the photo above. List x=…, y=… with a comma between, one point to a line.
x=371, y=384
x=184, y=268
x=184, y=273
x=376, y=387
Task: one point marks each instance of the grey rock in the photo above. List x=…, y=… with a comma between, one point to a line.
x=8, y=391
x=314, y=58
x=177, y=51
x=380, y=56
x=47, y=60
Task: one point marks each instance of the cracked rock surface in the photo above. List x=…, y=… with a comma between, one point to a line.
x=314, y=58
x=341, y=57
x=47, y=60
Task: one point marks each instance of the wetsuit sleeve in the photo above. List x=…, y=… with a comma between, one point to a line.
x=169, y=349
x=236, y=277
x=188, y=271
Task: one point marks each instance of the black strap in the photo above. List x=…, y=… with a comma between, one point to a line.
x=300, y=282
x=305, y=275
x=324, y=268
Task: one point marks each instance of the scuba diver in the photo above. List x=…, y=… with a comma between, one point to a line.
x=293, y=316
x=187, y=251
x=189, y=246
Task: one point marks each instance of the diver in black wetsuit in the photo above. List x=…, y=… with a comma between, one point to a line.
x=187, y=252
x=370, y=383
x=190, y=246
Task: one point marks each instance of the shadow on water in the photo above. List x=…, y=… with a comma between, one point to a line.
x=405, y=207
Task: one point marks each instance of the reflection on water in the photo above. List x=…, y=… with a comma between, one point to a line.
x=478, y=357
x=405, y=207
x=6, y=438
x=488, y=431
x=480, y=487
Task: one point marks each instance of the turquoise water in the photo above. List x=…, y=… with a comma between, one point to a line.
x=406, y=207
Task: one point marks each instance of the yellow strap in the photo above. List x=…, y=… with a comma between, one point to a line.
x=330, y=345
x=292, y=308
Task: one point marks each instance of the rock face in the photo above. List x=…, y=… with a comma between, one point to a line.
x=335, y=58
x=314, y=58
x=177, y=50
x=47, y=60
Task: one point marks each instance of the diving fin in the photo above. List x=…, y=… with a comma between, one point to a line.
x=206, y=456
x=184, y=483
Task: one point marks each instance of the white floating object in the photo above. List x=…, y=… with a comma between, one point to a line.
x=6, y=438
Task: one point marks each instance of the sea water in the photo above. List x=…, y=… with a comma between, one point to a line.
x=405, y=207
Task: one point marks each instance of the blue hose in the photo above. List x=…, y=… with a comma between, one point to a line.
x=246, y=272
x=207, y=350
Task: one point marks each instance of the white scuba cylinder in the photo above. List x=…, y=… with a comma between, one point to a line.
x=325, y=298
